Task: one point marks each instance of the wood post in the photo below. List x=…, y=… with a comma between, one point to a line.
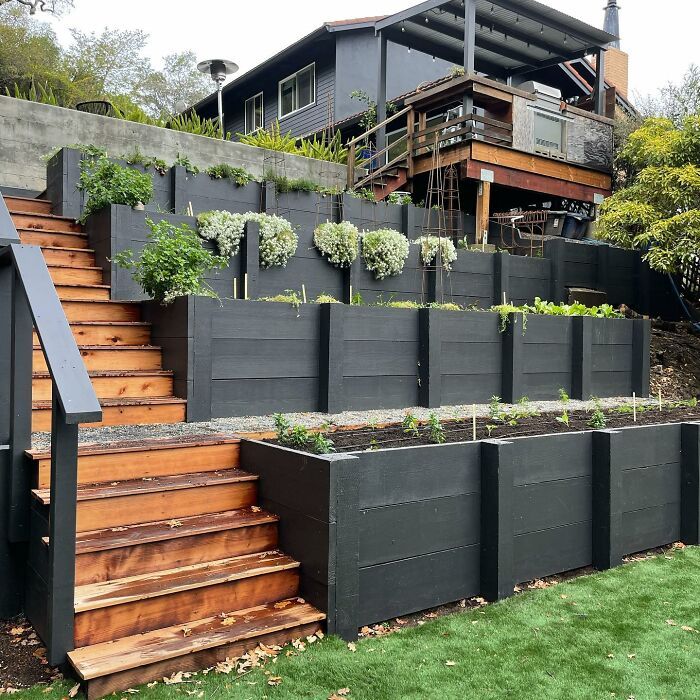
x=497, y=539
x=483, y=211
x=512, y=378
x=581, y=356
x=554, y=250
x=331, y=397
x=607, y=500
x=641, y=346
x=250, y=262
x=410, y=129
x=690, y=483
x=430, y=357
x=501, y=277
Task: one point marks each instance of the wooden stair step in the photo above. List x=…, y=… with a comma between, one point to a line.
x=53, y=239
x=123, y=384
x=104, y=357
x=96, y=310
x=68, y=256
x=139, y=659
x=28, y=204
x=123, y=461
x=75, y=292
x=110, y=334
x=49, y=222
x=78, y=274
x=125, y=411
x=115, y=609
x=123, y=503
x=114, y=553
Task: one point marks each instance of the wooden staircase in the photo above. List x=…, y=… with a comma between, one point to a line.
x=126, y=370
x=177, y=568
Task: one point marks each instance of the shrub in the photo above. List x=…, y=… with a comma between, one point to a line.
x=385, y=252
x=223, y=171
x=105, y=182
x=138, y=158
x=399, y=198
x=172, y=263
x=224, y=228
x=338, y=242
x=278, y=241
x=192, y=123
x=187, y=164
x=429, y=246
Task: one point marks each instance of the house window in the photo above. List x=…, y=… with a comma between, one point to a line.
x=549, y=133
x=254, y=114
x=297, y=91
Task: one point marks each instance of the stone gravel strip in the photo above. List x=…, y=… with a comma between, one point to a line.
x=264, y=424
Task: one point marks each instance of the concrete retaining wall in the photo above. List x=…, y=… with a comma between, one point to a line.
x=30, y=131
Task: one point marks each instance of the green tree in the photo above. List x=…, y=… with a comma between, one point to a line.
x=55, y=7
x=178, y=81
x=659, y=210
x=675, y=101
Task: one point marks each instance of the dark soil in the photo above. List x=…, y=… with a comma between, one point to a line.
x=377, y=438
x=675, y=360
x=22, y=657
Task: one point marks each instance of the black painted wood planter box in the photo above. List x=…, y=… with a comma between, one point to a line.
x=390, y=532
x=253, y=358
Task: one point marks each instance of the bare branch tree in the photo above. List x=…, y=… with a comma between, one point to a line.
x=55, y=7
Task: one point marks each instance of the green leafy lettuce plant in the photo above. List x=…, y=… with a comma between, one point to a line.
x=339, y=243
x=385, y=252
x=172, y=263
x=105, y=182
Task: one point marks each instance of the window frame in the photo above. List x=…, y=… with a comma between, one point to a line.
x=296, y=93
x=245, y=113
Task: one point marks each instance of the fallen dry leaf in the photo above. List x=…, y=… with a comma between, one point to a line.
x=274, y=680
x=282, y=604
x=228, y=621
x=186, y=632
x=256, y=509
x=16, y=631
x=450, y=663
x=673, y=623
x=173, y=524
x=352, y=646
x=74, y=690
x=687, y=628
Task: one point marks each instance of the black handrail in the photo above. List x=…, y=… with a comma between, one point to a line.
x=34, y=304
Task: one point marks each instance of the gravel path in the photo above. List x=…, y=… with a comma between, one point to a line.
x=262, y=424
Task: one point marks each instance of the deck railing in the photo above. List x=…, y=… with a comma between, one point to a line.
x=32, y=303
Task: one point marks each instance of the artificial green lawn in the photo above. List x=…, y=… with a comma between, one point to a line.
x=618, y=634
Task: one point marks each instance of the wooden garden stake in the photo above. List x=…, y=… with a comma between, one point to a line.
x=350, y=294
x=634, y=405
x=190, y=210
x=245, y=286
x=235, y=288
x=474, y=422
x=660, y=400
x=504, y=299
x=303, y=292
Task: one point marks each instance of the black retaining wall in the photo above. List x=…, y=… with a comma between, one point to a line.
x=411, y=528
x=477, y=278
x=239, y=357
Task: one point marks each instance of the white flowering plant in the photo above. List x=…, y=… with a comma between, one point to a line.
x=429, y=246
x=224, y=228
x=338, y=242
x=385, y=252
x=278, y=240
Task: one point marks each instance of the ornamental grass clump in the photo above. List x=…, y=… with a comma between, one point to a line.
x=339, y=243
x=224, y=228
x=385, y=252
x=429, y=247
x=172, y=264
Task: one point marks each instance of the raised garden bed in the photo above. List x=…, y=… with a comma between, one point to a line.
x=398, y=435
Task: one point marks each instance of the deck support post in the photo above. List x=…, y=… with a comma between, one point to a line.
x=599, y=87
x=469, y=51
x=690, y=483
x=483, y=211
x=608, y=499
x=497, y=532
x=381, y=90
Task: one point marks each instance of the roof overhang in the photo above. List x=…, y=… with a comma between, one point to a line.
x=512, y=36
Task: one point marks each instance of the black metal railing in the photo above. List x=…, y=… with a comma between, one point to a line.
x=33, y=304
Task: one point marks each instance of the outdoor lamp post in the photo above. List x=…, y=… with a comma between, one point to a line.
x=219, y=69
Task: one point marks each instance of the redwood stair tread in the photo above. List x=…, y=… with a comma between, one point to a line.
x=51, y=264
x=77, y=285
x=166, y=443
x=24, y=229
x=126, y=401
x=62, y=249
x=120, y=373
x=40, y=215
x=96, y=596
x=139, y=650
x=144, y=533
x=156, y=484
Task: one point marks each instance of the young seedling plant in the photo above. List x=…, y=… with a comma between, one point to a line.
x=436, y=431
x=564, y=398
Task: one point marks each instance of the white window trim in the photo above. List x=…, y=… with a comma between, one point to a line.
x=279, y=92
x=245, y=112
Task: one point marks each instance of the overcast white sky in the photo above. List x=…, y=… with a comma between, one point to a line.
x=660, y=36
